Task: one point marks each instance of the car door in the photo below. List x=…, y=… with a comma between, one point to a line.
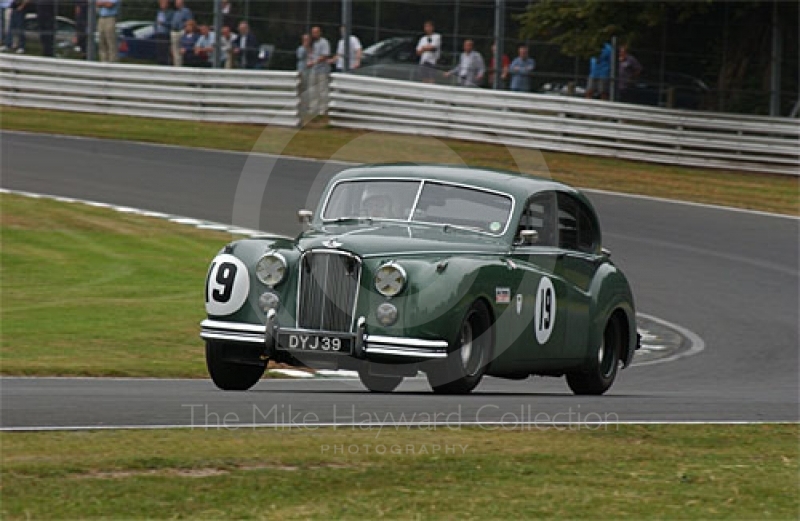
x=542, y=296
x=579, y=244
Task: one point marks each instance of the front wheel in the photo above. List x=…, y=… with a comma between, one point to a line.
x=466, y=363
x=229, y=375
x=603, y=369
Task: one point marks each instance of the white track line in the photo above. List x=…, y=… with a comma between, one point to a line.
x=349, y=163
x=517, y=425
x=697, y=343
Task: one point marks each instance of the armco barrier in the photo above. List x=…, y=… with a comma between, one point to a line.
x=754, y=143
x=762, y=144
x=232, y=96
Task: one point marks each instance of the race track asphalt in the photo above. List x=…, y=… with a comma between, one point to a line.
x=730, y=277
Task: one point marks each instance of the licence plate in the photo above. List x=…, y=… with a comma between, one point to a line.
x=315, y=343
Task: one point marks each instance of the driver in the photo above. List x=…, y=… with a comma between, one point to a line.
x=377, y=203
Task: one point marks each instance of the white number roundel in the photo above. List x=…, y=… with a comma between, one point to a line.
x=227, y=285
x=545, y=315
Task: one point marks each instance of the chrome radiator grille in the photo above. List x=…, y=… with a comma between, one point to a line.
x=328, y=289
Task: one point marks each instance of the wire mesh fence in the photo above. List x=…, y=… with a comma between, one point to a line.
x=682, y=66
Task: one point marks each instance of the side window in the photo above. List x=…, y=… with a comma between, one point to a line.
x=576, y=227
x=539, y=215
x=567, y=223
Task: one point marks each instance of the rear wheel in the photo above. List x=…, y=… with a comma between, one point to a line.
x=229, y=375
x=378, y=383
x=466, y=363
x=603, y=369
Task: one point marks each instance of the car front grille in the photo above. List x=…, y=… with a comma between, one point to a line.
x=327, y=291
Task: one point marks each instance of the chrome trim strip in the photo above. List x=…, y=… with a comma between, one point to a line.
x=433, y=252
x=399, y=351
x=407, y=342
x=422, y=181
x=233, y=337
x=233, y=326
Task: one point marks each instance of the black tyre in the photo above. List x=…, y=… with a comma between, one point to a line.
x=378, y=383
x=229, y=375
x=466, y=363
x=603, y=369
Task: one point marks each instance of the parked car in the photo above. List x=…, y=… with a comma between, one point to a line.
x=455, y=272
x=678, y=91
x=391, y=50
x=137, y=40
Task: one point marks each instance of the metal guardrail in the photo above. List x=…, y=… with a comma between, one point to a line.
x=565, y=124
x=546, y=122
x=231, y=96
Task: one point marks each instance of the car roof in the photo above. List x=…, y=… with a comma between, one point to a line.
x=521, y=186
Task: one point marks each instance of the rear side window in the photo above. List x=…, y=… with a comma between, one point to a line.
x=539, y=215
x=577, y=229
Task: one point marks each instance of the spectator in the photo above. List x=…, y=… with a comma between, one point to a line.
x=46, y=18
x=303, y=52
x=226, y=47
x=521, y=70
x=228, y=17
x=81, y=22
x=204, y=47
x=503, y=71
x=428, y=50
x=187, y=45
x=161, y=30
x=318, y=81
x=5, y=5
x=629, y=70
x=16, y=26
x=246, y=48
x=180, y=16
x=107, y=29
x=355, y=52
x=600, y=69
x=470, y=68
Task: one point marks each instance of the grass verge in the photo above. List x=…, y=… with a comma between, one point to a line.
x=644, y=472
x=89, y=291
x=772, y=193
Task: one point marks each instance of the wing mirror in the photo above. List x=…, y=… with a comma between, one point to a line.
x=528, y=237
x=305, y=216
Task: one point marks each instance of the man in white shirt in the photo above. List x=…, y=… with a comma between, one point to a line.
x=428, y=49
x=355, y=52
x=318, y=62
x=470, y=68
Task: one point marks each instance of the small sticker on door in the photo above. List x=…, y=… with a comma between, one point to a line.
x=502, y=295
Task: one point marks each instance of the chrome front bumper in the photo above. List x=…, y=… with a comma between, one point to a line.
x=377, y=345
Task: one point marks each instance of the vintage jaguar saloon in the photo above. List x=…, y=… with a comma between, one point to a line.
x=454, y=272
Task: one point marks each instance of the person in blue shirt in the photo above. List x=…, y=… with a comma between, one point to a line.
x=161, y=29
x=180, y=16
x=599, y=72
x=188, y=43
x=107, y=29
x=521, y=70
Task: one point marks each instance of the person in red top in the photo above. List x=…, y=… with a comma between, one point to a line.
x=503, y=73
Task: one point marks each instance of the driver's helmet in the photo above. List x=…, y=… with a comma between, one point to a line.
x=377, y=202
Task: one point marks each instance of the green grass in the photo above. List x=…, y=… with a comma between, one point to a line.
x=644, y=472
x=772, y=193
x=89, y=291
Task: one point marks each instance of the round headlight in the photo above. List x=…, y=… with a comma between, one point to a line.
x=390, y=279
x=271, y=268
